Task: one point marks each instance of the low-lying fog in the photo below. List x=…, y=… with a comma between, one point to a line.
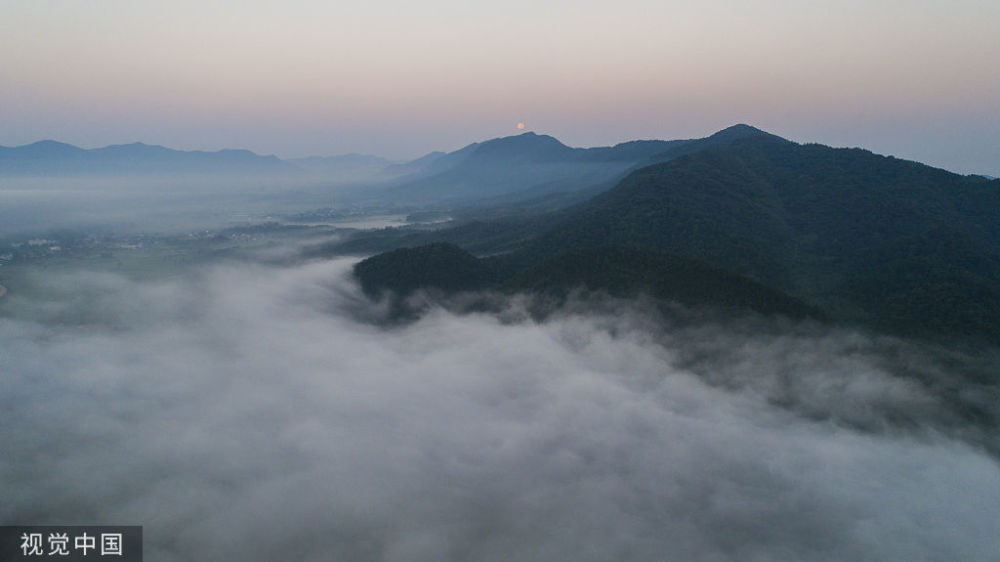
x=158, y=203
x=247, y=412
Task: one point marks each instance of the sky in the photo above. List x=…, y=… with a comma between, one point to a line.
x=917, y=79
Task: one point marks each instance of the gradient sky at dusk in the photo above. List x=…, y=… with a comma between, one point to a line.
x=918, y=79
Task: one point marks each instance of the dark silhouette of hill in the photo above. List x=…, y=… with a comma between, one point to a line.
x=912, y=247
x=625, y=271
x=435, y=266
x=56, y=158
x=615, y=270
x=723, y=138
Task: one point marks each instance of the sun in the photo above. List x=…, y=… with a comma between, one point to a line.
x=520, y=126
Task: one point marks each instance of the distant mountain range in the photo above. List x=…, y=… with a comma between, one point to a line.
x=501, y=170
x=498, y=171
x=522, y=166
x=864, y=238
x=51, y=158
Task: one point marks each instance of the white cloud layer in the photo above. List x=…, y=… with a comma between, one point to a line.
x=245, y=413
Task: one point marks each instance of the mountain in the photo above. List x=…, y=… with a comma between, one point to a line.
x=56, y=158
x=615, y=270
x=521, y=167
x=878, y=240
x=420, y=165
x=722, y=138
x=526, y=147
x=435, y=266
x=902, y=244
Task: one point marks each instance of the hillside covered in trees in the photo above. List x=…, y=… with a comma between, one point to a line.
x=866, y=238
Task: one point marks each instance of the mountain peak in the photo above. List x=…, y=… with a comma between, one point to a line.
x=528, y=137
x=46, y=148
x=743, y=127
x=722, y=138
x=740, y=131
x=529, y=146
x=134, y=147
x=48, y=142
x=50, y=145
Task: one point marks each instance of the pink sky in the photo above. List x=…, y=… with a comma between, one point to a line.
x=916, y=79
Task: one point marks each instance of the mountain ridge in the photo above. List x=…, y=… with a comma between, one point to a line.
x=50, y=157
x=873, y=239
x=533, y=165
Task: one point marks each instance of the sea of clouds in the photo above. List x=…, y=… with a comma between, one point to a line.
x=250, y=412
